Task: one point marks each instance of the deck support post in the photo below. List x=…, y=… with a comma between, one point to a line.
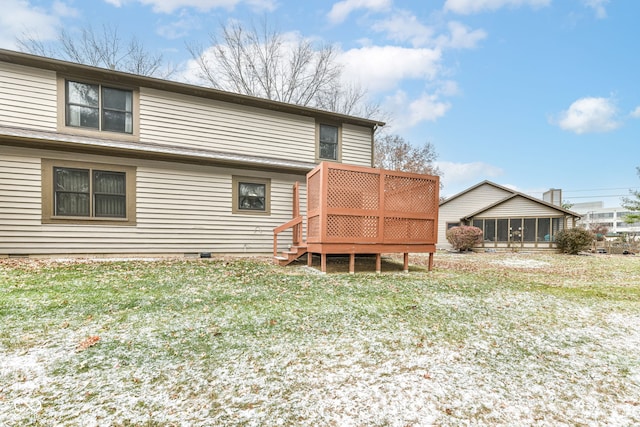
x=430, y=260
x=352, y=263
x=323, y=262
x=378, y=263
x=406, y=262
x=309, y=259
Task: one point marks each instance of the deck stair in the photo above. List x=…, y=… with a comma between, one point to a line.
x=289, y=256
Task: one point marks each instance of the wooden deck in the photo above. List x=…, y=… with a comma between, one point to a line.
x=356, y=210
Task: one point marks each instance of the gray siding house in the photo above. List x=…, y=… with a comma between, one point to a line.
x=99, y=162
x=509, y=220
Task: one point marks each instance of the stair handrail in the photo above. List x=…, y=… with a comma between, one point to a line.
x=297, y=232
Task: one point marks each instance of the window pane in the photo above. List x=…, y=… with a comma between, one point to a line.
x=557, y=225
x=82, y=94
x=71, y=180
x=529, y=230
x=117, y=121
x=503, y=230
x=515, y=230
x=109, y=182
x=110, y=206
x=82, y=116
x=72, y=204
x=117, y=110
x=251, y=196
x=328, y=148
x=478, y=223
x=116, y=99
x=71, y=192
x=329, y=134
x=490, y=230
x=109, y=190
x=328, y=151
x=544, y=229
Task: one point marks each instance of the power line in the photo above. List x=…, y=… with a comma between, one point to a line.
x=594, y=196
x=600, y=189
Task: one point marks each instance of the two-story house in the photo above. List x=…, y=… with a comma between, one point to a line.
x=94, y=161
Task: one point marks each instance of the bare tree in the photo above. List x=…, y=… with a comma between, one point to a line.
x=264, y=63
x=599, y=230
x=633, y=204
x=394, y=153
x=104, y=49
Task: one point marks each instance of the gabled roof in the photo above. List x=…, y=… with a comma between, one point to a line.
x=119, y=77
x=516, y=195
x=480, y=184
x=513, y=194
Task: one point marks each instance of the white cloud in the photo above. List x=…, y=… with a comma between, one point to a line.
x=461, y=37
x=341, y=10
x=466, y=7
x=62, y=9
x=598, y=6
x=405, y=27
x=379, y=68
x=408, y=112
x=428, y=107
x=587, y=115
x=636, y=113
x=27, y=20
x=178, y=28
x=169, y=6
x=459, y=176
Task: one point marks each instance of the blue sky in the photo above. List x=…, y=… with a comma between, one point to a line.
x=530, y=94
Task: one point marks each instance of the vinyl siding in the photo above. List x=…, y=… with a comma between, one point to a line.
x=464, y=205
x=356, y=145
x=180, y=209
x=520, y=207
x=188, y=121
x=27, y=97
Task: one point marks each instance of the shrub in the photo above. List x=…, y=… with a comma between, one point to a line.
x=464, y=237
x=574, y=240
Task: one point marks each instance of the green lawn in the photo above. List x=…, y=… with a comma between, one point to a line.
x=484, y=339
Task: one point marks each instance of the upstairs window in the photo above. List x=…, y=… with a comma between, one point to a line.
x=328, y=142
x=98, y=107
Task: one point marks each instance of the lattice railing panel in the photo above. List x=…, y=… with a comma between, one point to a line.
x=313, y=228
x=313, y=191
x=353, y=189
x=410, y=194
x=409, y=230
x=343, y=226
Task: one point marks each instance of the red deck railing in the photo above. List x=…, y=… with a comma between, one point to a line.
x=359, y=210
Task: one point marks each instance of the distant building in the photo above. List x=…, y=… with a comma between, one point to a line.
x=508, y=219
x=612, y=218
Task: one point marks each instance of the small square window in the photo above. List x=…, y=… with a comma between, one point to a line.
x=251, y=195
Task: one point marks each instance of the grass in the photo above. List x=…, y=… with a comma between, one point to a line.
x=484, y=339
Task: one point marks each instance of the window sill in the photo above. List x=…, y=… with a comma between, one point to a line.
x=79, y=220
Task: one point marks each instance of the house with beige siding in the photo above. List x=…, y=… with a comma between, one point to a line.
x=100, y=162
x=509, y=220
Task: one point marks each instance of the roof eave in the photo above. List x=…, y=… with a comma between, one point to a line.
x=121, y=77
